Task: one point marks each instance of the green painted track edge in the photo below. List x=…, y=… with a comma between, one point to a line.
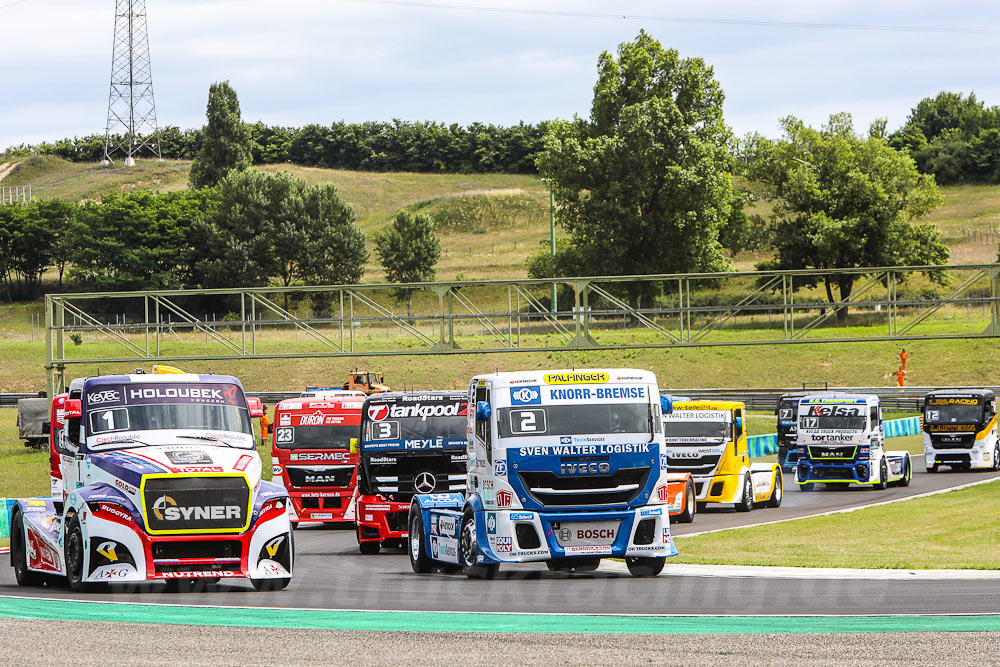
x=415, y=621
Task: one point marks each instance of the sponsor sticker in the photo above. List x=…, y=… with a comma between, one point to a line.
x=576, y=378
x=525, y=396
x=521, y=516
x=491, y=523
x=505, y=544
x=504, y=499
x=500, y=468
x=650, y=512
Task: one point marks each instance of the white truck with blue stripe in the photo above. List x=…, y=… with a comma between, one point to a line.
x=840, y=441
x=565, y=467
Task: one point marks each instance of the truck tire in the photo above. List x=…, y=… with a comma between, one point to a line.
x=19, y=554
x=933, y=468
x=645, y=567
x=778, y=492
x=573, y=564
x=883, y=476
x=996, y=457
x=808, y=486
x=73, y=551
x=907, y=473
x=420, y=562
x=367, y=548
x=468, y=550
x=747, y=503
x=687, y=516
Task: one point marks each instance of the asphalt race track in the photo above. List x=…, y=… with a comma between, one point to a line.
x=330, y=573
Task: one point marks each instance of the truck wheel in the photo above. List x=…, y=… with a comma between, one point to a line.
x=996, y=457
x=469, y=550
x=74, y=554
x=645, y=567
x=883, y=476
x=687, y=516
x=806, y=487
x=419, y=560
x=907, y=473
x=747, y=503
x=778, y=493
x=19, y=554
x=367, y=548
x=270, y=584
x=933, y=468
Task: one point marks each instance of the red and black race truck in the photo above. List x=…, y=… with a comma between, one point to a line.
x=311, y=456
x=411, y=442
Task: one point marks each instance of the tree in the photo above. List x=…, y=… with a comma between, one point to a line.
x=273, y=225
x=644, y=185
x=226, y=142
x=59, y=217
x=845, y=201
x=408, y=250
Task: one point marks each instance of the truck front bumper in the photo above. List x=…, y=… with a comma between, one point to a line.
x=379, y=519
x=808, y=471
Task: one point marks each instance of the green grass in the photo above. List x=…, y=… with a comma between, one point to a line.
x=955, y=530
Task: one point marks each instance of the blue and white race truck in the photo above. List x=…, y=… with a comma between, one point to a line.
x=161, y=481
x=840, y=442
x=564, y=467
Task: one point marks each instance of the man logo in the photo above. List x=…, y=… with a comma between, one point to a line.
x=424, y=482
x=107, y=549
x=160, y=504
x=272, y=546
x=525, y=396
x=377, y=413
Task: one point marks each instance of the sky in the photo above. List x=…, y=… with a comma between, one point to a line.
x=321, y=61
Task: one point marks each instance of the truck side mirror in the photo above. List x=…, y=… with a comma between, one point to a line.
x=354, y=445
x=483, y=411
x=255, y=406
x=74, y=409
x=666, y=404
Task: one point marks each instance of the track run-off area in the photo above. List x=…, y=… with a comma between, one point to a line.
x=336, y=587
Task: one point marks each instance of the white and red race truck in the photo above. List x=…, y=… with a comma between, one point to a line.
x=160, y=481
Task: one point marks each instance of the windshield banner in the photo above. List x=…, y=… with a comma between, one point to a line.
x=106, y=395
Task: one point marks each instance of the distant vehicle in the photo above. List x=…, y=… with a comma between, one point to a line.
x=709, y=440
x=32, y=415
x=161, y=481
x=787, y=413
x=55, y=426
x=369, y=382
x=311, y=456
x=960, y=429
x=840, y=442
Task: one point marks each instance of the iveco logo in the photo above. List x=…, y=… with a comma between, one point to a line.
x=424, y=482
x=584, y=468
x=525, y=395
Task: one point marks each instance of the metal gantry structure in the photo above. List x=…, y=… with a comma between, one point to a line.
x=131, y=126
x=476, y=317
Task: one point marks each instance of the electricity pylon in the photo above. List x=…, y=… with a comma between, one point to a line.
x=131, y=125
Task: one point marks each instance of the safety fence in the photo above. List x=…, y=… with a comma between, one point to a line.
x=765, y=445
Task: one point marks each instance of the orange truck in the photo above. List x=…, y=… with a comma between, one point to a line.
x=311, y=456
x=370, y=382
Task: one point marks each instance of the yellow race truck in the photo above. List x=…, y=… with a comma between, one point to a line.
x=709, y=440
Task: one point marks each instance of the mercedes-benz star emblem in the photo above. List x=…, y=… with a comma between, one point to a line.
x=424, y=482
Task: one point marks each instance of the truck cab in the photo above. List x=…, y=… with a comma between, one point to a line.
x=960, y=429
x=311, y=456
x=564, y=467
x=709, y=440
x=840, y=442
x=56, y=415
x=161, y=481
x=369, y=382
x=411, y=442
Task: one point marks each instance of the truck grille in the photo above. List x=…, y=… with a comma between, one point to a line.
x=953, y=441
x=550, y=490
x=227, y=549
x=306, y=476
x=410, y=473
x=825, y=452
x=704, y=465
x=209, y=503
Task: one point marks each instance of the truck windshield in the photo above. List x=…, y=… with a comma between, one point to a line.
x=675, y=430
x=336, y=436
x=590, y=419
x=834, y=422
x=169, y=417
x=953, y=414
